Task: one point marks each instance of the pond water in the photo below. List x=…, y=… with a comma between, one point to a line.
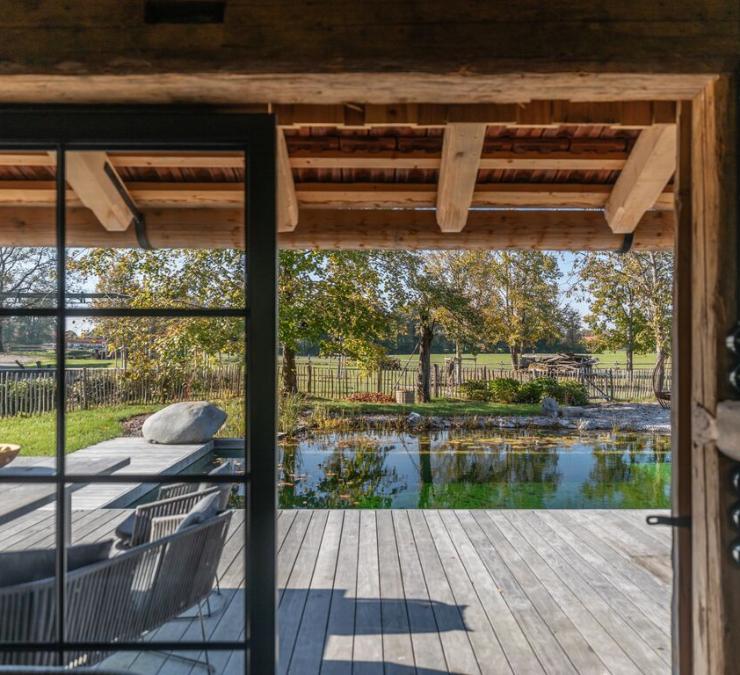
x=459, y=469
x=464, y=469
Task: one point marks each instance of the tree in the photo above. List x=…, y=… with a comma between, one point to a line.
x=332, y=299
x=517, y=294
x=429, y=294
x=630, y=300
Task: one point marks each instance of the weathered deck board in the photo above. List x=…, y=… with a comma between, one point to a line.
x=432, y=592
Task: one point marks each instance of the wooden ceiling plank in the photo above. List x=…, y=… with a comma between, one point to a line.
x=458, y=174
x=287, y=202
x=647, y=171
x=341, y=229
x=86, y=175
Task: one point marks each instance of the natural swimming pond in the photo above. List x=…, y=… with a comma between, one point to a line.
x=476, y=469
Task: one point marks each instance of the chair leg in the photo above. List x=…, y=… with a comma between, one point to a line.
x=188, y=659
x=203, y=636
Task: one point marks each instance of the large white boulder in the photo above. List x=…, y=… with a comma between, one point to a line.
x=183, y=423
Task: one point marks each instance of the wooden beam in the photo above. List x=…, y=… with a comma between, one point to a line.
x=334, y=195
x=715, y=579
x=287, y=202
x=458, y=174
x=393, y=229
x=647, y=171
x=86, y=175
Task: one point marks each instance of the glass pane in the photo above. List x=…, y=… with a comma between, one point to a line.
x=168, y=558
x=27, y=210
x=27, y=569
x=187, y=206
x=27, y=393
x=121, y=371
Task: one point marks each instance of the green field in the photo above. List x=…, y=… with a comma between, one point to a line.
x=605, y=360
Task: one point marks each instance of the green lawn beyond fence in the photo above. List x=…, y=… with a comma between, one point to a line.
x=31, y=391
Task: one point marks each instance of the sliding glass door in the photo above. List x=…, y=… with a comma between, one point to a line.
x=137, y=374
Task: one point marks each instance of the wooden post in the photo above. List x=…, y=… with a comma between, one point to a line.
x=715, y=580
x=380, y=378
x=84, y=388
x=309, y=378
x=436, y=380
x=681, y=399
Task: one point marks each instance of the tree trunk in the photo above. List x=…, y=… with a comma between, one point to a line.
x=515, y=356
x=290, y=376
x=458, y=361
x=423, y=378
x=630, y=348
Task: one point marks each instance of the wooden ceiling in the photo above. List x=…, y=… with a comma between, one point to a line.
x=548, y=174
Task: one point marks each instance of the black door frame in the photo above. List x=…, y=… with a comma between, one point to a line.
x=63, y=128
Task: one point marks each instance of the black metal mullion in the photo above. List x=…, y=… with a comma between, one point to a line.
x=60, y=393
x=261, y=502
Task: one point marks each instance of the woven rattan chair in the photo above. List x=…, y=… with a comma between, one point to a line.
x=119, y=599
x=179, y=489
x=137, y=529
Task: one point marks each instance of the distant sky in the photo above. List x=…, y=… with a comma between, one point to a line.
x=565, y=262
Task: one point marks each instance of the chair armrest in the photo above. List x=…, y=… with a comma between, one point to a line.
x=176, y=490
x=164, y=526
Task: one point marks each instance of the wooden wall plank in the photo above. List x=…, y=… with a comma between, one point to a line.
x=681, y=442
x=716, y=582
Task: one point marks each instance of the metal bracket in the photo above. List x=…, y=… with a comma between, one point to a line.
x=671, y=521
x=626, y=246
x=138, y=219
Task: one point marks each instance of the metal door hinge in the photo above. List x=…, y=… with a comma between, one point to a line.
x=671, y=521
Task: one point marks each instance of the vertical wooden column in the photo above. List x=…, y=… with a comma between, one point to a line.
x=715, y=580
x=681, y=441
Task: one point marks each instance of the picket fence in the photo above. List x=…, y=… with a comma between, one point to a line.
x=607, y=384
x=31, y=390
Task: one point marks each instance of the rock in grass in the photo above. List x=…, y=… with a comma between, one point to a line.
x=550, y=407
x=183, y=423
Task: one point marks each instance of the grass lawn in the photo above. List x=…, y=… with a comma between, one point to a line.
x=440, y=407
x=36, y=433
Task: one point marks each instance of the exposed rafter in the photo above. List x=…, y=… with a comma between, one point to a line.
x=90, y=175
x=287, y=202
x=647, y=171
x=458, y=174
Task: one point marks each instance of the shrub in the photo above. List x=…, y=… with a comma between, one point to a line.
x=475, y=390
x=289, y=412
x=529, y=392
x=504, y=390
x=370, y=397
x=573, y=393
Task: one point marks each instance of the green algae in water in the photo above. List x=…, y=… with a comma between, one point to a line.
x=464, y=469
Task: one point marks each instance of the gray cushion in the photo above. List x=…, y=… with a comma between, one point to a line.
x=205, y=509
x=20, y=567
x=125, y=529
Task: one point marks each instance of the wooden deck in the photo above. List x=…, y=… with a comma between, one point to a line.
x=437, y=591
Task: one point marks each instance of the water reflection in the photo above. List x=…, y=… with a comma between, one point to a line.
x=508, y=469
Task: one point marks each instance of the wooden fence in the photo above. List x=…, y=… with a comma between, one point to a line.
x=31, y=390
x=610, y=384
